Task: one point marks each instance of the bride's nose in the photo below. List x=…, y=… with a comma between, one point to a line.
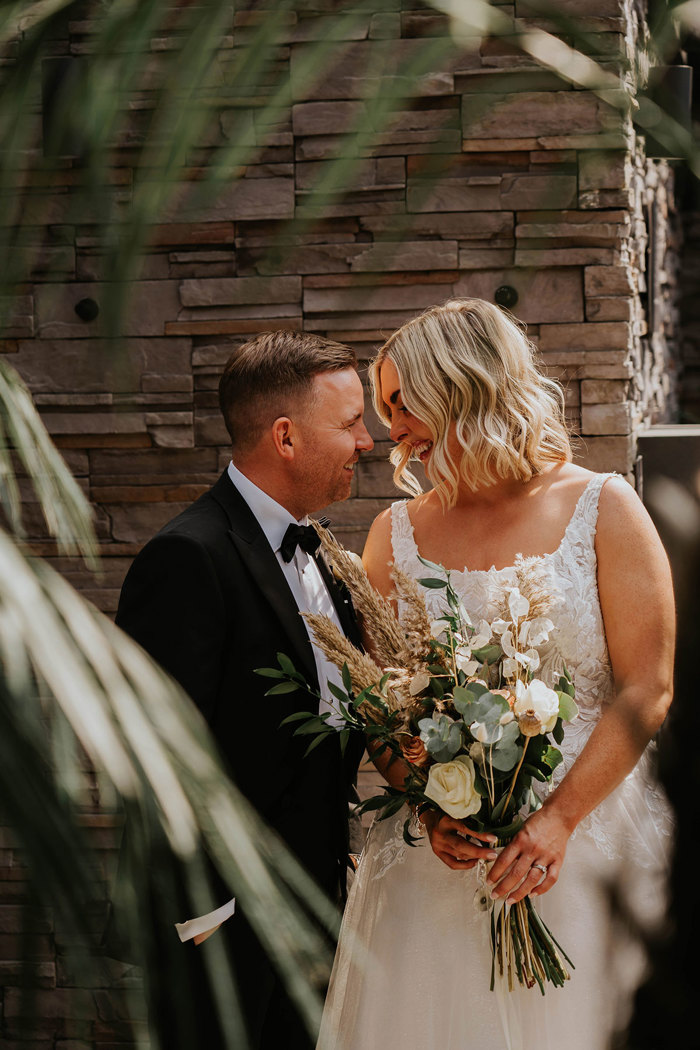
x=398, y=429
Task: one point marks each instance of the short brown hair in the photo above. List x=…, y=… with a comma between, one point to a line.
x=266, y=378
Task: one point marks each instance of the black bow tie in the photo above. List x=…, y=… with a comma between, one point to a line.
x=304, y=536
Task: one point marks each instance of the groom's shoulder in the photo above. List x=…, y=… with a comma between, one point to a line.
x=203, y=523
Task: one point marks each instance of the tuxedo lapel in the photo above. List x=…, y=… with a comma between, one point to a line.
x=261, y=561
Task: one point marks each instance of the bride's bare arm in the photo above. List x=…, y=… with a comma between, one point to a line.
x=636, y=598
x=447, y=836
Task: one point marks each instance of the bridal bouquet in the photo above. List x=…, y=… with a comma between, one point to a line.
x=460, y=704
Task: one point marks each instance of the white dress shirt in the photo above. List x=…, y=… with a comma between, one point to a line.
x=301, y=573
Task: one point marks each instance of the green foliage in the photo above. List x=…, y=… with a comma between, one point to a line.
x=441, y=736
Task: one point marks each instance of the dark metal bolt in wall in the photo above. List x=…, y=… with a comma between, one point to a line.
x=87, y=309
x=506, y=295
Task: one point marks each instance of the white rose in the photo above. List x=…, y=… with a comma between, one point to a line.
x=451, y=785
x=540, y=699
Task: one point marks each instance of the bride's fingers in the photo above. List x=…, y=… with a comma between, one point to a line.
x=548, y=881
x=512, y=878
x=534, y=877
x=483, y=836
x=458, y=827
x=502, y=869
x=465, y=852
x=454, y=850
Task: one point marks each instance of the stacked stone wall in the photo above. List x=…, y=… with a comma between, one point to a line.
x=498, y=174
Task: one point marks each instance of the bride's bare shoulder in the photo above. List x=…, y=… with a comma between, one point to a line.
x=615, y=493
x=563, y=485
x=378, y=556
x=567, y=475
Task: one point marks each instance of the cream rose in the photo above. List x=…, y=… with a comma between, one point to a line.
x=541, y=700
x=451, y=785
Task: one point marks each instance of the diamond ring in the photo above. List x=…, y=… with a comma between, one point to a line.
x=541, y=868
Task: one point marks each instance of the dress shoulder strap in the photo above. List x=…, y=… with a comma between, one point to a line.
x=403, y=544
x=583, y=523
x=590, y=498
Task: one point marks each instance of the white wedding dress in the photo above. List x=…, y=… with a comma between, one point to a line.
x=413, y=965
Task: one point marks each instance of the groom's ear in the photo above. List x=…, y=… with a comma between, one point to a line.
x=284, y=437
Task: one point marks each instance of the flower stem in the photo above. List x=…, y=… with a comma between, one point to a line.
x=515, y=775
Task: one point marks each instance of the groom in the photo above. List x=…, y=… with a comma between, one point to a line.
x=218, y=592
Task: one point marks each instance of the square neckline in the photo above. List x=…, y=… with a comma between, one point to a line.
x=599, y=479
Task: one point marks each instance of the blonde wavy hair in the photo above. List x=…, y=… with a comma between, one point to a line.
x=468, y=362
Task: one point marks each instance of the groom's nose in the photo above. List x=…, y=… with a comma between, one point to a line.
x=363, y=439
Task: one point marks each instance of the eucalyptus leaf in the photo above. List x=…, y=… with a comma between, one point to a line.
x=338, y=693
x=505, y=758
x=536, y=772
x=471, y=691
x=269, y=672
x=431, y=564
x=488, y=654
x=375, y=802
x=374, y=701
x=297, y=717
x=552, y=757
x=317, y=724
x=282, y=687
x=441, y=736
x=568, y=709
x=433, y=584
x=315, y=743
x=393, y=807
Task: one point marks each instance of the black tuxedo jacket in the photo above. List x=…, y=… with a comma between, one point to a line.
x=206, y=597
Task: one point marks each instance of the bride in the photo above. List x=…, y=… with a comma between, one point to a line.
x=459, y=390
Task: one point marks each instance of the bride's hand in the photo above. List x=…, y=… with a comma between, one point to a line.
x=448, y=838
x=530, y=864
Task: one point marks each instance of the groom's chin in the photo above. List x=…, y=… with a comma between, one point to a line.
x=345, y=487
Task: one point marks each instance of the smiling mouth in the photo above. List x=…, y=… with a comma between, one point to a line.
x=422, y=449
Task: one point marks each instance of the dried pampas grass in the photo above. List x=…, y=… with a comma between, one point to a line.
x=415, y=621
x=388, y=639
x=364, y=672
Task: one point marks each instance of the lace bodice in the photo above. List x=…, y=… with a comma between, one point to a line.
x=579, y=639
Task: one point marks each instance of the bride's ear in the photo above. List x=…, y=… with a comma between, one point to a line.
x=284, y=437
